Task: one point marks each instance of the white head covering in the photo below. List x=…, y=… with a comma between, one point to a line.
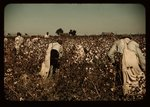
x=127, y=40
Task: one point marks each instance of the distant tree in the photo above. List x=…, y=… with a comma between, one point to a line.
x=26, y=34
x=59, y=31
x=72, y=32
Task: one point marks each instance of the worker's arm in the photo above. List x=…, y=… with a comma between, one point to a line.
x=112, y=52
x=141, y=58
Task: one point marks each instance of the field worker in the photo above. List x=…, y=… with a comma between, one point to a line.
x=18, y=42
x=46, y=35
x=51, y=63
x=130, y=57
x=35, y=40
x=28, y=42
x=5, y=41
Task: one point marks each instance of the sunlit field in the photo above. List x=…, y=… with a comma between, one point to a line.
x=90, y=79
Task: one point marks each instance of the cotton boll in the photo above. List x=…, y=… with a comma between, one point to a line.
x=96, y=57
x=21, y=99
x=9, y=70
x=87, y=59
x=111, y=71
x=112, y=89
x=91, y=61
x=85, y=78
x=15, y=82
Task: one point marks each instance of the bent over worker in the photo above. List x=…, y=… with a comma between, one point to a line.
x=132, y=64
x=51, y=63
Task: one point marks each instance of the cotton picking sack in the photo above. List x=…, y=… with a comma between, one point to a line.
x=46, y=64
x=130, y=69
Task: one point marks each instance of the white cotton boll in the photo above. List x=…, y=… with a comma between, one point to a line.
x=90, y=52
x=79, y=47
x=96, y=57
x=111, y=71
x=65, y=76
x=75, y=61
x=15, y=82
x=9, y=70
x=33, y=48
x=87, y=59
x=21, y=99
x=31, y=51
x=21, y=46
x=91, y=61
x=26, y=52
x=37, y=85
x=85, y=78
x=112, y=89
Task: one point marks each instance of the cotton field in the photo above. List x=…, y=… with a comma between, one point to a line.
x=85, y=73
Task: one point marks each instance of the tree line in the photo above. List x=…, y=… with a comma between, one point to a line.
x=60, y=32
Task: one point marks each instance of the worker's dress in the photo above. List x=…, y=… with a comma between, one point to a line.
x=131, y=70
x=54, y=60
x=132, y=59
x=50, y=64
x=18, y=41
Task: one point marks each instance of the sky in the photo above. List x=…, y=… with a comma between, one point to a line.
x=84, y=18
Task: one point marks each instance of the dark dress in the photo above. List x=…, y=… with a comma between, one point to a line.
x=54, y=59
